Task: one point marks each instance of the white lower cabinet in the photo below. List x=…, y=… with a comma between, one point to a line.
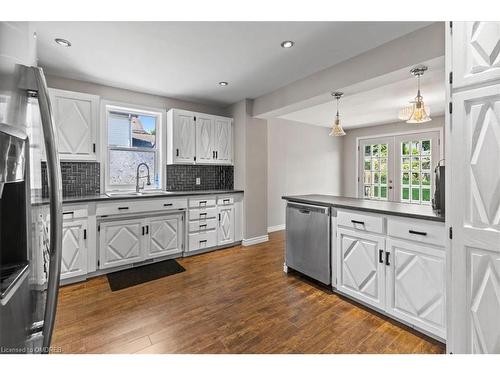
x=225, y=228
x=360, y=266
x=164, y=235
x=74, y=249
x=405, y=278
x=121, y=242
x=416, y=285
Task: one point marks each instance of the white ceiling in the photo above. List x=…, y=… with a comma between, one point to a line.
x=379, y=105
x=186, y=60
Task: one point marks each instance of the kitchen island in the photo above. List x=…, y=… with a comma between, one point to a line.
x=388, y=256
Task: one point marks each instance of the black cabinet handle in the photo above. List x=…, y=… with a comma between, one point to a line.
x=381, y=256
x=93, y=147
x=219, y=217
x=123, y=208
x=203, y=214
x=203, y=225
x=358, y=222
x=203, y=241
x=176, y=152
x=387, y=255
x=416, y=232
x=167, y=204
x=143, y=231
x=216, y=154
x=227, y=200
x=147, y=229
x=85, y=234
x=68, y=213
x=203, y=202
x=213, y=154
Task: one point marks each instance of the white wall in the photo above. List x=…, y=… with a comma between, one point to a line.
x=302, y=159
x=350, y=146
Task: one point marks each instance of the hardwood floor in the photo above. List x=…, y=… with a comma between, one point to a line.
x=236, y=300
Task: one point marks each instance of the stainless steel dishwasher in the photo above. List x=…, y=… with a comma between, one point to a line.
x=308, y=240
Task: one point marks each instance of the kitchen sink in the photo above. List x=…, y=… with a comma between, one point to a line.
x=135, y=194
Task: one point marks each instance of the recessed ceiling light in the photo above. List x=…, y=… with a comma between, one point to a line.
x=223, y=83
x=287, y=44
x=63, y=42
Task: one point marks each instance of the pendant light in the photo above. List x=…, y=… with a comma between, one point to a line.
x=337, y=130
x=419, y=114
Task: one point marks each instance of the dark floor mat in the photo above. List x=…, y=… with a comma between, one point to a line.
x=134, y=276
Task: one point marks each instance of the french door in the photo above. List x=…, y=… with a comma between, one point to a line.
x=399, y=167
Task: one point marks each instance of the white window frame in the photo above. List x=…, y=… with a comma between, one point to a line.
x=359, y=182
x=109, y=106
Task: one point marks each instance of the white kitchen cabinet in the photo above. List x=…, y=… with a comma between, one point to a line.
x=74, y=249
x=361, y=266
x=225, y=227
x=164, y=235
x=181, y=137
x=415, y=285
x=76, y=117
x=223, y=130
x=121, y=242
x=199, y=138
x=205, y=139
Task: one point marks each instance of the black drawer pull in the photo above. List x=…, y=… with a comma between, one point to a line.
x=226, y=200
x=203, y=214
x=416, y=232
x=381, y=256
x=358, y=222
x=123, y=208
x=203, y=225
x=167, y=204
x=69, y=213
x=203, y=241
x=387, y=255
x=202, y=202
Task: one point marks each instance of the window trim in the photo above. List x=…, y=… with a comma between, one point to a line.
x=108, y=106
x=393, y=134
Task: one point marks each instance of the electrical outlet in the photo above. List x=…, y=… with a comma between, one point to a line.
x=198, y=181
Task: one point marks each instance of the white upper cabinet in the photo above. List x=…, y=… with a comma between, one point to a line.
x=476, y=52
x=223, y=140
x=199, y=138
x=76, y=116
x=205, y=139
x=181, y=133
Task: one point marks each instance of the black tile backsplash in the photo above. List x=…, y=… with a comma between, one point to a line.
x=213, y=177
x=78, y=178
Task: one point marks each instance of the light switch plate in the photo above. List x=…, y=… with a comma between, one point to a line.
x=198, y=181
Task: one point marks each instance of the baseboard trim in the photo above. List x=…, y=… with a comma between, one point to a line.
x=255, y=240
x=275, y=228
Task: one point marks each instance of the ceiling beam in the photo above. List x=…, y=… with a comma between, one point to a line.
x=411, y=49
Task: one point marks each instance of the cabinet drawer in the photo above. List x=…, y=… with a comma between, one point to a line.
x=360, y=221
x=202, y=240
x=224, y=201
x=72, y=213
x=202, y=225
x=417, y=230
x=201, y=202
x=202, y=213
x=139, y=205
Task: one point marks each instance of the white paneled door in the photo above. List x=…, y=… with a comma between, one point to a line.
x=474, y=214
x=415, y=285
x=76, y=118
x=361, y=266
x=74, y=249
x=164, y=235
x=205, y=139
x=184, y=130
x=225, y=231
x=121, y=242
x=224, y=140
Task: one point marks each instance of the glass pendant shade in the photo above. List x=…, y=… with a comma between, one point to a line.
x=337, y=130
x=419, y=113
x=406, y=112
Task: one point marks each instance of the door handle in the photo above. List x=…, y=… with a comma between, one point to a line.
x=381, y=256
x=176, y=152
x=147, y=229
x=143, y=230
x=387, y=255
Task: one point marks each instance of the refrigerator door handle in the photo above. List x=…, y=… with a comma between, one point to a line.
x=55, y=195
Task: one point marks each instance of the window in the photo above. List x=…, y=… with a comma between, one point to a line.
x=133, y=137
x=399, y=168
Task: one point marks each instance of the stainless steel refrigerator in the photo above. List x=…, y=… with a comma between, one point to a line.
x=29, y=268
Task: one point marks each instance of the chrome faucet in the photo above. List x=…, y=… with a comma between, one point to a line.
x=138, y=177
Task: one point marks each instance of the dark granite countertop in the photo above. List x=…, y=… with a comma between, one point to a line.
x=164, y=194
x=389, y=208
